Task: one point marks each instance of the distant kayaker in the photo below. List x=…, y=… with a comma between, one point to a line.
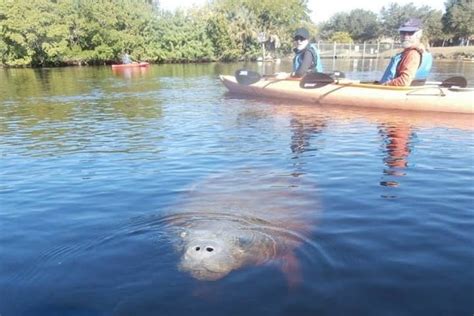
x=306, y=55
x=126, y=58
x=412, y=66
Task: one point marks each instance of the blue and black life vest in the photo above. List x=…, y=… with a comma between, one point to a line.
x=316, y=65
x=422, y=72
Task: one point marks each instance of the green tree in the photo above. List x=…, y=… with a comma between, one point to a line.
x=244, y=29
x=58, y=32
x=432, y=25
x=182, y=38
x=52, y=32
x=363, y=25
x=393, y=16
x=101, y=30
x=31, y=35
x=340, y=37
x=250, y=17
x=219, y=30
x=459, y=18
x=339, y=22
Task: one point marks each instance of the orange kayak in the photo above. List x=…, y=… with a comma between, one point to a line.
x=132, y=65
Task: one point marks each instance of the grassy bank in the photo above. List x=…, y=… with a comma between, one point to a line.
x=454, y=52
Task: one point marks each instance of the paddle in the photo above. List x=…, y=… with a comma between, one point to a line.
x=248, y=77
x=338, y=74
x=456, y=81
x=315, y=80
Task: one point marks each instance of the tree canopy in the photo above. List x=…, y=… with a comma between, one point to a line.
x=361, y=25
x=459, y=18
x=64, y=32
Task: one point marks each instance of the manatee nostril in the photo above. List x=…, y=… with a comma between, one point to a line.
x=197, y=248
x=209, y=249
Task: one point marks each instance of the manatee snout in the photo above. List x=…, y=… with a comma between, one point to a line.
x=202, y=250
x=208, y=259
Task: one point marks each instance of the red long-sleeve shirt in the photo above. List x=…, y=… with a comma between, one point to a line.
x=406, y=69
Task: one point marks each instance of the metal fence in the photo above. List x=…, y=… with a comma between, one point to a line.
x=357, y=50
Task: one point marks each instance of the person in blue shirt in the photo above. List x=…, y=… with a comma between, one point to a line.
x=307, y=57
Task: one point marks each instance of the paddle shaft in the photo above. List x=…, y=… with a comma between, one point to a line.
x=440, y=83
x=315, y=80
x=456, y=81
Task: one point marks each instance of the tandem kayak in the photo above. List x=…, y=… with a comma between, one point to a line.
x=132, y=65
x=352, y=93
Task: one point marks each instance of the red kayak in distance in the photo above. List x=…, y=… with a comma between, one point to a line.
x=132, y=65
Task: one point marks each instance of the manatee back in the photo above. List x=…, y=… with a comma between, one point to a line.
x=267, y=197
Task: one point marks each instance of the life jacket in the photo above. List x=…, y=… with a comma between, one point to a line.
x=421, y=74
x=316, y=66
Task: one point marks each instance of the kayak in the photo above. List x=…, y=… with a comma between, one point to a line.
x=353, y=93
x=132, y=65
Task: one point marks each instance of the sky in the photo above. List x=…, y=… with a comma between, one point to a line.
x=323, y=9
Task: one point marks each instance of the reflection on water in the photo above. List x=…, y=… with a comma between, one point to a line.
x=398, y=143
x=129, y=73
x=68, y=110
x=397, y=131
x=303, y=130
x=97, y=167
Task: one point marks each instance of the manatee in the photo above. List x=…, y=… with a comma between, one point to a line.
x=244, y=217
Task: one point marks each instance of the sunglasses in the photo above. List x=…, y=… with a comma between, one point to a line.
x=407, y=33
x=299, y=38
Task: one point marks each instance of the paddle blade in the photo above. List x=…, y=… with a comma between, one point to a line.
x=247, y=77
x=338, y=75
x=457, y=81
x=315, y=80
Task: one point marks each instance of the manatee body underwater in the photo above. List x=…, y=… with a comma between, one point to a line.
x=244, y=217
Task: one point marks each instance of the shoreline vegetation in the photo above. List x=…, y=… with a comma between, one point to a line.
x=453, y=53
x=48, y=33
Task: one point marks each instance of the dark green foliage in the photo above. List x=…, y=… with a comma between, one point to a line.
x=61, y=32
x=394, y=15
x=219, y=30
x=41, y=33
x=361, y=25
x=181, y=38
x=459, y=18
x=45, y=32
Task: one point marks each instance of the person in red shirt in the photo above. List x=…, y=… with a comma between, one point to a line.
x=413, y=64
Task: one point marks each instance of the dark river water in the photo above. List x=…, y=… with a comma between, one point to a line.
x=105, y=175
